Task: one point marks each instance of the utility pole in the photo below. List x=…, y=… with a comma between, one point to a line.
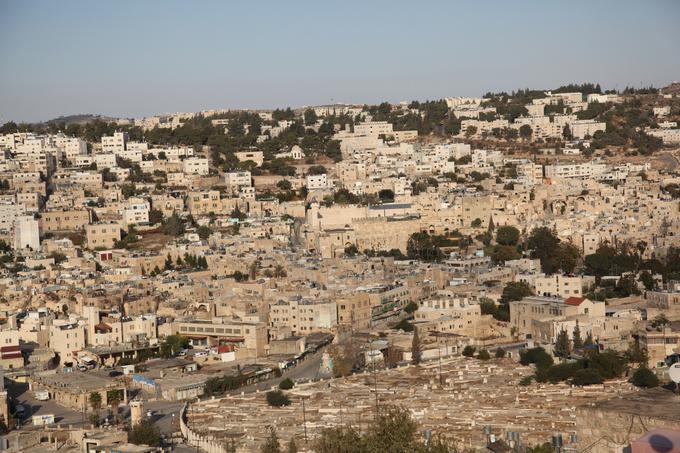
x=439, y=353
x=304, y=418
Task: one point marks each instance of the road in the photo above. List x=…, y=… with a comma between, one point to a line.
x=62, y=415
x=307, y=369
x=165, y=413
x=670, y=160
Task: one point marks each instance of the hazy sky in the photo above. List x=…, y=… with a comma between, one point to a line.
x=135, y=58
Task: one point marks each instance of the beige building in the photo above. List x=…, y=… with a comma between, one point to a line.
x=250, y=338
x=102, y=235
x=525, y=311
x=299, y=316
x=64, y=220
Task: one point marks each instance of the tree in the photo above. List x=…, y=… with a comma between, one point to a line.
x=351, y=250
x=586, y=377
x=145, y=433
x=483, y=354
x=500, y=353
x=155, y=216
x=173, y=344
x=476, y=223
x=562, y=347
x=411, y=307
x=95, y=401
x=544, y=244
x=292, y=446
x=469, y=351
x=271, y=445
x=284, y=184
x=525, y=131
x=416, y=348
x=569, y=257
x=470, y=131
x=286, y=384
x=644, y=377
x=507, y=235
x=173, y=226
x=515, y=291
x=537, y=356
x=276, y=398
x=576, y=340
x=310, y=117
x=204, y=232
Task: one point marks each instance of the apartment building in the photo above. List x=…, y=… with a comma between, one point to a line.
x=558, y=285
x=195, y=166
x=525, y=311
x=204, y=202
x=298, y=316
x=64, y=220
x=102, y=235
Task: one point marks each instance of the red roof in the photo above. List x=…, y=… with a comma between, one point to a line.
x=574, y=301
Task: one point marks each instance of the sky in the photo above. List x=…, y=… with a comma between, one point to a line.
x=131, y=58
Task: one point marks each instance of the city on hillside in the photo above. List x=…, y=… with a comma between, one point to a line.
x=496, y=273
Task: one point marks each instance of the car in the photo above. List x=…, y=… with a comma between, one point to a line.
x=149, y=413
x=82, y=368
x=115, y=373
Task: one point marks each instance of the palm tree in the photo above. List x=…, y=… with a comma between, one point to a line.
x=279, y=271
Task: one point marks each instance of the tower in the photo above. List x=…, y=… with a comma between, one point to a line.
x=136, y=412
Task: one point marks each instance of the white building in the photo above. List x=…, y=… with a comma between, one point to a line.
x=317, y=182
x=26, y=233
x=196, y=166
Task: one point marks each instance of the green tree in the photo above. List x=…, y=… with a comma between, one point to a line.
x=310, y=117
x=284, y=184
x=544, y=245
x=577, y=340
x=469, y=351
x=525, y=131
x=416, y=348
x=145, y=433
x=155, y=216
x=470, y=131
x=562, y=346
x=644, y=377
x=286, y=384
x=515, y=291
x=173, y=226
x=271, y=444
x=500, y=353
x=204, y=232
x=276, y=398
x=95, y=400
x=411, y=307
x=344, y=439
x=507, y=235
x=476, y=223
x=173, y=344
x=483, y=354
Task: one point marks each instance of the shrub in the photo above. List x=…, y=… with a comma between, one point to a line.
x=500, y=353
x=562, y=371
x=469, y=351
x=277, y=398
x=608, y=364
x=587, y=376
x=286, y=384
x=483, y=355
x=536, y=356
x=526, y=380
x=644, y=377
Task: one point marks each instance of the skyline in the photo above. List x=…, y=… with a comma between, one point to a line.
x=139, y=60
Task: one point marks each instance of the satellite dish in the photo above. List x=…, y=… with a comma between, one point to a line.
x=674, y=372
